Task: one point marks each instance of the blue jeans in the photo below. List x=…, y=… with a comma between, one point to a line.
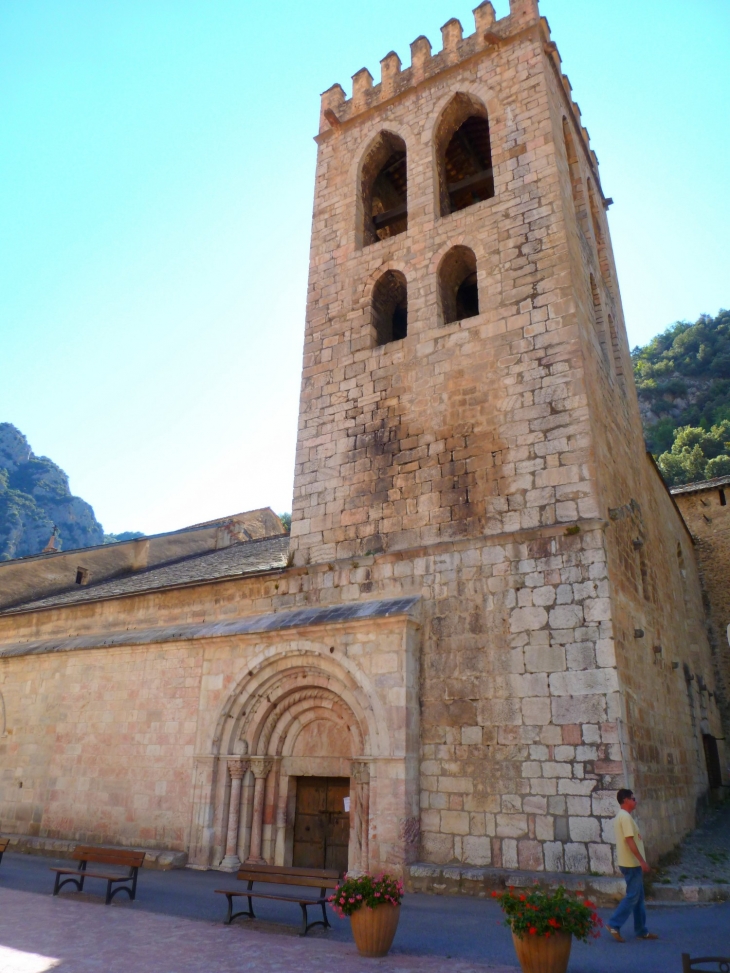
x=633, y=901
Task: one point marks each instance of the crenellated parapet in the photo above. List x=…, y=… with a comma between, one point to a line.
x=490, y=36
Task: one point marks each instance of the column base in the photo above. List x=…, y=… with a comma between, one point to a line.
x=255, y=861
x=231, y=863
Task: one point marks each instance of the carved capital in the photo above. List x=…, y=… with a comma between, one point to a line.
x=360, y=772
x=237, y=767
x=261, y=766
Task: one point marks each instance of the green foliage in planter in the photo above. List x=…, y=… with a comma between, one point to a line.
x=367, y=890
x=544, y=912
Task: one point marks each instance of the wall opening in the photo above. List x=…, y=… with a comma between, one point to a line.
x=712, y=760
x=616, y=349
x=458, y=285
x=598, y=322
x=384, y=189
x=82, y=575
x=321, y=823
x=723, y=499
x=601, y=249
x=576, y=183
x=464, y=155
x=390, y=308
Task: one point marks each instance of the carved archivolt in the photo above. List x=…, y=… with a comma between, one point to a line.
x=281, y=694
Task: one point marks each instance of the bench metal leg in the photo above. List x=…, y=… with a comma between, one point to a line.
x=55, y=884
x=231, y=915
x=305, y=927
x=326, y=922
x=109, y=893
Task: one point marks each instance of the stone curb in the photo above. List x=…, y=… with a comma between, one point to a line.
x=160, y=859
x=605, y=890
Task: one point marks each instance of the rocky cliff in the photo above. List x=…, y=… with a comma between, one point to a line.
x=35, y=497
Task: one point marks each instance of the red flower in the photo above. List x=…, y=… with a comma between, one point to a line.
x=532, y=930
x=591, y=905
x=522, y=898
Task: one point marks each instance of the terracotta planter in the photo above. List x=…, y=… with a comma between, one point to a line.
x=540, y=955
x=374, y=929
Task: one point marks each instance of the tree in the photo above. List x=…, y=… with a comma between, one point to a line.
x=697, y=454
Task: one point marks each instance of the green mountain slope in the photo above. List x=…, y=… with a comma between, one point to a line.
x=683, y=381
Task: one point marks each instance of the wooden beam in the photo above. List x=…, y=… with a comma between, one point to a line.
x=390, y=216
x=475, y=180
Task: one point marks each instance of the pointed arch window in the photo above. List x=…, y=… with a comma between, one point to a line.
x=390, y=308
x=464, y=155
x=384, y=189
x=458, y=285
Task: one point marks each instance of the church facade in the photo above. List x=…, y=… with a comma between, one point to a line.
x=488, y=613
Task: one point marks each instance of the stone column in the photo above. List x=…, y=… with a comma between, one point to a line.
x=237, y=767
x=260, y=767
x=361, y=776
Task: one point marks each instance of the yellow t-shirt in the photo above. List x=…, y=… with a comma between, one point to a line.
x=625, y=827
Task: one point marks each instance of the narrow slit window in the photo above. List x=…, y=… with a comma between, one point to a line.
x=576, y=183
x=390, y=308
x=384, y=188
x=598, y=322
x=458, y=285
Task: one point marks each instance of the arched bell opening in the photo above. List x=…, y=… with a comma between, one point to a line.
x=384, y=189
x=464, y=155
x=390, y=308
x=458, y=285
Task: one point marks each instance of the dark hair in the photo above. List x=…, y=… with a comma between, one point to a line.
x=624, y=794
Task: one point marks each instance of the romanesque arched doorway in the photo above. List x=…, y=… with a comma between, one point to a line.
x=296, y=742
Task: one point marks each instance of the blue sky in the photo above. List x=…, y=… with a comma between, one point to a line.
x=156, y=178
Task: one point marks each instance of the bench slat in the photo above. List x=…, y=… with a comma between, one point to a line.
x=109, y=856
x=269, y=895
x=303, y=880
x=284, y=870
x=86, y=874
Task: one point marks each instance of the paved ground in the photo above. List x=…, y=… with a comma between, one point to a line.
x=175, y=927
x=704, y=857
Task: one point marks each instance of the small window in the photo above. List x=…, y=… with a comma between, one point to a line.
x=576, y=183
x=458, y=285
x=82, y=575
x=598, y=322
x=390, y=308
x=384, y=189
x=723, y=501
x=464, y=155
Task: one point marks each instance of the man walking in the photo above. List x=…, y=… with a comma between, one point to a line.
x=632, y=862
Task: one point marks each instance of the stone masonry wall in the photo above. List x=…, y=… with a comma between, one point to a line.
x=708, y=518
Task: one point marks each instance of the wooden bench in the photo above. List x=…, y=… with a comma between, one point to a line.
x=690, y=965
x=321, y=878
x=4, y=842
x=104, y=856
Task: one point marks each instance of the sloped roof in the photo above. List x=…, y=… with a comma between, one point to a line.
x=719, y=481
x=246, y=557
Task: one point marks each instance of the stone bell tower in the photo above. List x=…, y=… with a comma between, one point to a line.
x=461, y=290
x=469, y=434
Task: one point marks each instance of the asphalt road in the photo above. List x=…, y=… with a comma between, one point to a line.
x=463, y=927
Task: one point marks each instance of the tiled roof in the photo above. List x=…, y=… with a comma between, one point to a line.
x=249, y=624
x=247, y=557
x=719, y=481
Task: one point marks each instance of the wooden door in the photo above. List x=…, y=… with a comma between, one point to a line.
x=321, y=824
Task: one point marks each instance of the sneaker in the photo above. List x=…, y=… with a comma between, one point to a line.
x=616, y=934
x=649, y=935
